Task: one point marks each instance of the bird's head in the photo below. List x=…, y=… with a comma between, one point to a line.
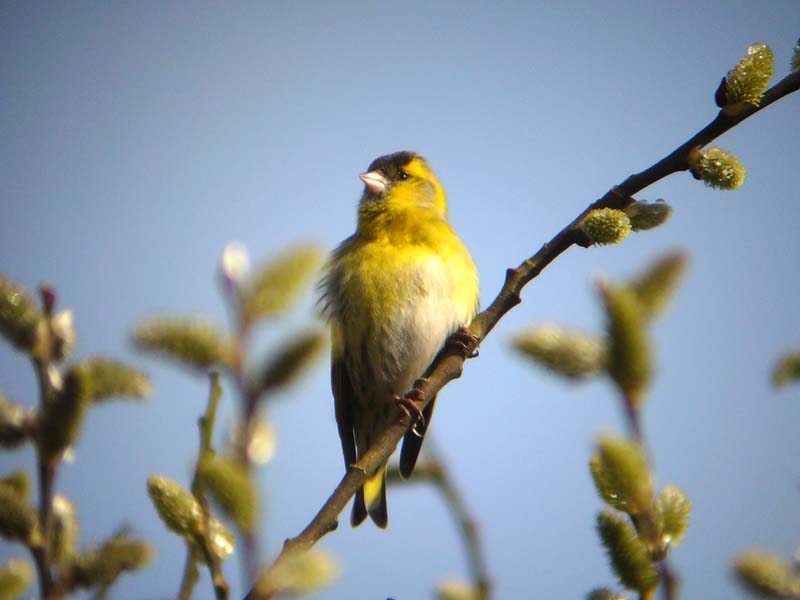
x=401, y=184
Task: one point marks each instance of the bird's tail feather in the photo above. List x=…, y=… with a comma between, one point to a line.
x=371, y=499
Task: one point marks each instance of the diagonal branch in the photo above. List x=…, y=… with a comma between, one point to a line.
x=448, y=366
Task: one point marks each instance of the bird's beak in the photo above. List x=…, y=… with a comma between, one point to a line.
x=374, y=181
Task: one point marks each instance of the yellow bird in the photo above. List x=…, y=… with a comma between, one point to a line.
x=394, y=292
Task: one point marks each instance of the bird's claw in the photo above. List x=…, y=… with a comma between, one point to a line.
x=464, y=343
x=408, y=405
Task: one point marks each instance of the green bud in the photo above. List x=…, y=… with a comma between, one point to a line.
x=102, y=565
x=191, y=342
x=16, y=577
x=13, y=429
x=622, y=475
x=795, y=65
x=299, y=574
x=628, y=556
x=112, y=379
x=648, y=215
x=746, y=83
x=21, y=322
x=221, y=541
x=176, y=505
x=62, y=416
x=17, y=519
x=605, y=226
x=261, y=440
x=457, y=589
x=64, y=335
x=767, y=575
x=276, y=284
x=656, y=286
x=629, y=353
x=235, y=263
x=290, y=361
x=18, y=482
x=64, y=530
x=786, y=370
x=672, y=510
x=568, y=353
x=717, y=168
x=232, y=488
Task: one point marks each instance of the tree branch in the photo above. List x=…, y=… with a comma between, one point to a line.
x=448, y=366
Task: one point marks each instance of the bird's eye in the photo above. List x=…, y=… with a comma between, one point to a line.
x=402, y=176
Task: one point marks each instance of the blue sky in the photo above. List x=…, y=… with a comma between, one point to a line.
x=138, y=139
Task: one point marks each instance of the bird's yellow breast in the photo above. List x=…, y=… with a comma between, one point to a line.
x=401, y=294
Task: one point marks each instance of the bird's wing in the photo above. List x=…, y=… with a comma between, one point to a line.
x=343, y=402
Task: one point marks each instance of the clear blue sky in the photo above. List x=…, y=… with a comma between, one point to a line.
x=139, y=138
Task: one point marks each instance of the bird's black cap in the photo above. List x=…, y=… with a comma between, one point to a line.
x=391, y=164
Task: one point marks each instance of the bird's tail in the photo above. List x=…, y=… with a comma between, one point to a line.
x=371, y=500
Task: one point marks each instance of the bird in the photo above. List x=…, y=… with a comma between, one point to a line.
x=394, y=292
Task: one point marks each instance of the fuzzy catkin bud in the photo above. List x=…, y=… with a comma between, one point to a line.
x=300, y=574
x=62, y=416
x=276, y=284
x=194, y=343
x=656, y=286
x=290, y=360
x=767, y=574
x=17, y=519
x=12, y=424
x=16, y=577
x=233, y=489
x=672, y=510
x=112, y=379
x=605, y=226
x=457, y=589
x=21, y=321
x=176, y=505
x=220, y=540
x=568, y=353
x=101, y=565
x=717, y=168
x=626, y=552
x=64, y=335
x=622, y=475
x=629, y=353
x=235, y=263
x=786, y=370
x=648, y=215
x=18, y=482
x=746, y=83
x=64, y=530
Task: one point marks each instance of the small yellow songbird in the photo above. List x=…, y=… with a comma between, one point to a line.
x=393, y=292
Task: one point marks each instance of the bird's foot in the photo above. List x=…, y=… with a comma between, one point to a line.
x=407, y=404
x=463, y=343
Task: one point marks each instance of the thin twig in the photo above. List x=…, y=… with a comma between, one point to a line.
x=46, y=467
x=248, y=404
x=670, y=582
x=433, y=469
x=449, y=366
x=190, y=577
x=205, y=425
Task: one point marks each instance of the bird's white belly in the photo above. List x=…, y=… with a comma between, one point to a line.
x=427, y=320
